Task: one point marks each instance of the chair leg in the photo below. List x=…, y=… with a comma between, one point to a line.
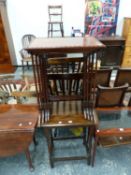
x=27, y=65
x=51, y=30
x=34, y=140
x=94, y=151
x=84, y=136
x=22, y=66
x=48, y=30
x=91, y=131
x=49, y=137
x=28, y=157
x=62, y=30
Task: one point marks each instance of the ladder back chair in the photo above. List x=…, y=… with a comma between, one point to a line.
x=66, y=107
x=68, y=86
x=55, y=23
x=107, y=101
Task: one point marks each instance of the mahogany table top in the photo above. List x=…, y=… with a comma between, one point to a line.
x=64, y=45
x=18, y=117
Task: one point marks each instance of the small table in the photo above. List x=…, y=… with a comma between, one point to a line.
x=114, y=126
x=17, y=127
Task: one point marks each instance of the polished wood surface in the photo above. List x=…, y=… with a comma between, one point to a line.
x=65, y=45
x=115, y=130
x=70, y=114
x=127, y=34
x=113, y=127
x=18, y=117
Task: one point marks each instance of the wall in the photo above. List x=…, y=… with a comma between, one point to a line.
x=124, y=11
x=27, y=16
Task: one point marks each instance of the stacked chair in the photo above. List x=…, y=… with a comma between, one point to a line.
x=66, y=109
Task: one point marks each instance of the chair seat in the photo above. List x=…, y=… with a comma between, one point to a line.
x=27, y=59
x=74, y=120
x=23, y=93
x=68, y=113
x=55, y=22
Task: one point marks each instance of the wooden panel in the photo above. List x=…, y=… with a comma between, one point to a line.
x=5, y=60
x=112, y=55
x=128, y=50
x=128, y=39
x=126, y=62
x=126, y=28
x=127, y=34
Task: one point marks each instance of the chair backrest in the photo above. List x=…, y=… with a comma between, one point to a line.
x=55, y=13
x=110, y=97
x=103, y=77
x=11, y=85
x=65, y=79
x=123, y=76
x=26, y=39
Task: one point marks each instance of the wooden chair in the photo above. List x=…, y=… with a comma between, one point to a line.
x=66, y=108
x=26, y=58
x=122, y=77
x=55, y=23
x=108, y=97
x=107, y=100
x=103, y=77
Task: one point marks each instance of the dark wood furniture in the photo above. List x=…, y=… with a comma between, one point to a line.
x=17, y=127
x=114, y=127
x=59, y=105
x=113, y=54
x=126, y=63
x=110, y=96
x=108, y=101
x=103, y=77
